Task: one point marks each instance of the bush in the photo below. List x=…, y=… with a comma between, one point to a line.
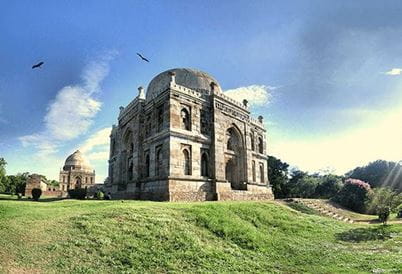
x=19, y=196
x=354, y=195
x=399, y=211
x=77, y=193
x=36, y=193
x=99, y=195
x=383, y=197
x=383, y=214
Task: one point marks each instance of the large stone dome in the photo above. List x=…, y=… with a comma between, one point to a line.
x=77, y=161
x=190, y=78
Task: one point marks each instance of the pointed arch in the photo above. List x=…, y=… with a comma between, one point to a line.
x=128, y=141
x=262, y=177
x=234, y=140
x=147, y=162
x=204, y=164
x=186, y=162
x=260, y=145
x=185, y=119
x=159, y=161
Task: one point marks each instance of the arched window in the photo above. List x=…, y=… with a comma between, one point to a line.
x=86, y=180
x=128, y=142
x=233, y=140
x=186, y=162
x=147, y=165
x=78, y=182
x=260, y=145
x=113, y=145
x=159, y=161
x=253, y=169
x=130, y=171
x=204, y=165
x=252, y=142
x=262, y=173
x=185, y=119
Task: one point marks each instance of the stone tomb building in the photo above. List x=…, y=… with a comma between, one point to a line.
x=76, y=173
x=185, y=140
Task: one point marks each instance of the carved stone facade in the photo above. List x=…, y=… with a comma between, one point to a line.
x=185, y=140
x=76, y=173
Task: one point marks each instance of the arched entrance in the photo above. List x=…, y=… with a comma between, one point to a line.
x=234, y=159
x=77, y=182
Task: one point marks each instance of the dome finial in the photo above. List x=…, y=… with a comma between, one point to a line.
x=141, y=93
x=172, y=75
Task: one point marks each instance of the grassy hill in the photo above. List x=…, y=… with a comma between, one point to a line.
x=132, y=236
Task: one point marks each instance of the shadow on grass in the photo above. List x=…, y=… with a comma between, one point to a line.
x=365, y=234
x=43, y=200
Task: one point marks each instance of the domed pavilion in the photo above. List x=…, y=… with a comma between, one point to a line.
x=185, y=140
x=76, y=172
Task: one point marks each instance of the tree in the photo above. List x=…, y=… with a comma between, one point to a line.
x=3, y=178
x=295, y=177
x=278, y=176
x=354, y=195
x=379, y=173
x=383, y=197
x=329, y=186
x=305, y=185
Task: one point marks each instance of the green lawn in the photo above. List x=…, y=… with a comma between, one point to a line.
x=134, y=236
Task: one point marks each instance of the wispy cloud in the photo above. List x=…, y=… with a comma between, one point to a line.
x=255, y=94
x=394, y=71
x=71, y=113
x=97, y=145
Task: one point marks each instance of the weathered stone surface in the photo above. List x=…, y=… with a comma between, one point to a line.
x=187, y=141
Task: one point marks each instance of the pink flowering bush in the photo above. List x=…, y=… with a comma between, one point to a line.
x=354, y=195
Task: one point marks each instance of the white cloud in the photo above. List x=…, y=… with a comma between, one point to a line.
x=97, y=145
x=72, y=111
x=394, y=71
x=379, y=139
x=255, y=94
x=99, y=156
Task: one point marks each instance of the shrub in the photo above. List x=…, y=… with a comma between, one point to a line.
x=399, y=211
x=19, y=195
x=383, y=197
x=77, y=193
x=36, y=193
x=354, y=195
x=99, y=195
x=383, y=214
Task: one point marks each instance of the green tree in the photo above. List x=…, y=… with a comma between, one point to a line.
x=3, y=178
x=278, y=176
x=379, y=173
x=328, y=186
x=305, y=186
x=383, y=197
x=354, y=195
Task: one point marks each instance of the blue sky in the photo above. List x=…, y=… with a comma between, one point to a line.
x=325, y=74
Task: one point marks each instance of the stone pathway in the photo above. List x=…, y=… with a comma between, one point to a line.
x=325, y=210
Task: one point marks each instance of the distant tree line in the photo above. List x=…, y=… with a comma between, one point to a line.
x=367, y=189
x=14, y=184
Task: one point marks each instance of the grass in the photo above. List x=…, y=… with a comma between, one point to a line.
x=70, y=236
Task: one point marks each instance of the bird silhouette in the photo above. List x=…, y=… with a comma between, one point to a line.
x=38, y=65
x=142, y=57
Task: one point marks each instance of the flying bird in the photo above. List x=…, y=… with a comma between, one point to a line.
x=142, y=57
x=37, y=65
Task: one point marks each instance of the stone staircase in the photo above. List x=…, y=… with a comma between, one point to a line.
x=327, y=210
